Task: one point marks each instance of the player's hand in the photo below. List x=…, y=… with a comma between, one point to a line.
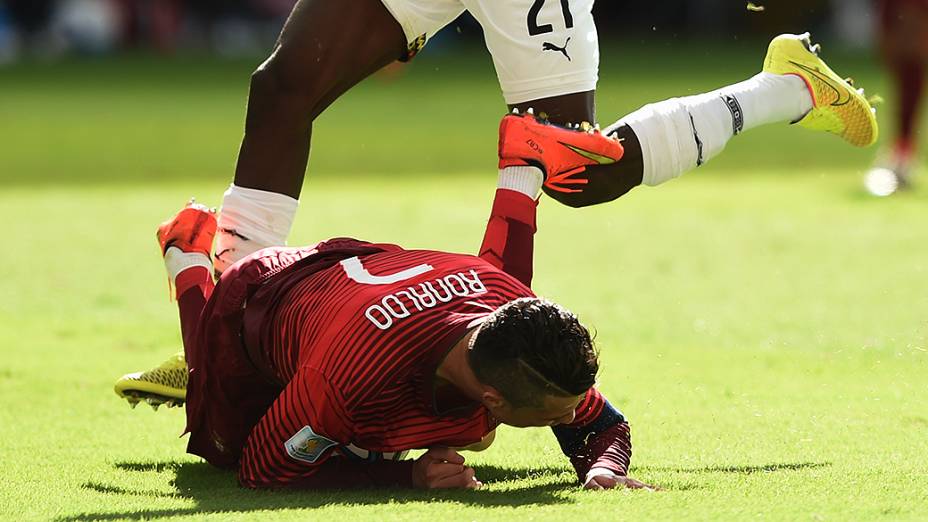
x=443, y=468
x=599, y=478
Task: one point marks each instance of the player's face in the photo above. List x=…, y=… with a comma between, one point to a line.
x=554, y=411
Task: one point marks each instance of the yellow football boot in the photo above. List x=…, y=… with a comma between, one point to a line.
x=166, y=384
x=838, y=107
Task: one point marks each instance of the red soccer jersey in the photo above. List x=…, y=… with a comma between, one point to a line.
x=375, y=329
x=358, y=344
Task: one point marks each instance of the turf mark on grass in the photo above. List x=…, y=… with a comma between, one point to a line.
x=767, y=468
x=743, y=470
x=116, y=490
x=157, y=467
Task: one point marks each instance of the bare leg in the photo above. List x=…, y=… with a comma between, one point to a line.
x=325, y=48
x=663, y=140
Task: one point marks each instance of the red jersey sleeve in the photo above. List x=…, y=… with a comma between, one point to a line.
x=297, y=443
x=589, y=408
x=508, y=243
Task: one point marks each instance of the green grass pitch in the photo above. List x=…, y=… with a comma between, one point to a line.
x=762, y=322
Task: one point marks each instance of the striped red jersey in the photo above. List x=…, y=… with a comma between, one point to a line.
x=356, y=346
x=372, y=331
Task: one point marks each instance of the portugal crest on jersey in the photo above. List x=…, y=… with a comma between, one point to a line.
x=307, y=445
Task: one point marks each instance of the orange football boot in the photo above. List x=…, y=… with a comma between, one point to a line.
x=191, y=230
x=560, y=152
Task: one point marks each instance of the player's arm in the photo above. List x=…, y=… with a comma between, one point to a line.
x=509, y=240
x=598, y=443
x=299, y=443
x=438, y=468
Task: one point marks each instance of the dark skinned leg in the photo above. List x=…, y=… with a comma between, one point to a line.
x=606, y=182
x=325, y=48
x=569, y=108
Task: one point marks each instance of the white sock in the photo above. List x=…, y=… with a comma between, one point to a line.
x=526, y=180
x=679, y=134
x=176, y=261
x=250, y=220
x=770, y=98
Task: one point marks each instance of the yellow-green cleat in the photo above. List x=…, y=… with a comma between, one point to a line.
x=838, y=107
x=166, y=384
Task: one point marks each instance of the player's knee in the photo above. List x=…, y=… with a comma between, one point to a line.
x=279, y=86
x=604, y=183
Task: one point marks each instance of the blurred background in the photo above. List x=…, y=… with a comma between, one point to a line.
x=152, y=90
x=52, y=28
x=762, y=319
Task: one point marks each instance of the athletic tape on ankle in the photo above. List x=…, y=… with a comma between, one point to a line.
x=679, y=134
x=250, y=220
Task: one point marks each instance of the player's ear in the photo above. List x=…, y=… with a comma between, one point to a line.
x=492, y=398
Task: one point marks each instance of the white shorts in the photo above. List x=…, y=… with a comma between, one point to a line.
x=541, y=48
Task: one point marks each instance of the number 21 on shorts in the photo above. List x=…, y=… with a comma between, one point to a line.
x=534, y=29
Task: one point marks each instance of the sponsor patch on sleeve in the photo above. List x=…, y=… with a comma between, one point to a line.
x=307, y=445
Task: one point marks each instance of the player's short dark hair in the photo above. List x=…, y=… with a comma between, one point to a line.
x=531, y=348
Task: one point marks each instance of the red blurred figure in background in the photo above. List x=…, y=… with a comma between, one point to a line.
x=903, y=39
x=157, y=22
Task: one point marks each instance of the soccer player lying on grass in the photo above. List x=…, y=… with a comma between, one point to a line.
x=321, y=366
x=546, y=55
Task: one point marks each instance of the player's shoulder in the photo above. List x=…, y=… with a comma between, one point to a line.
x=424, y=253
x=417, y=261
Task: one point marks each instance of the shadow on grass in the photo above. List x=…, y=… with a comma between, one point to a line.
x=217, y=491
